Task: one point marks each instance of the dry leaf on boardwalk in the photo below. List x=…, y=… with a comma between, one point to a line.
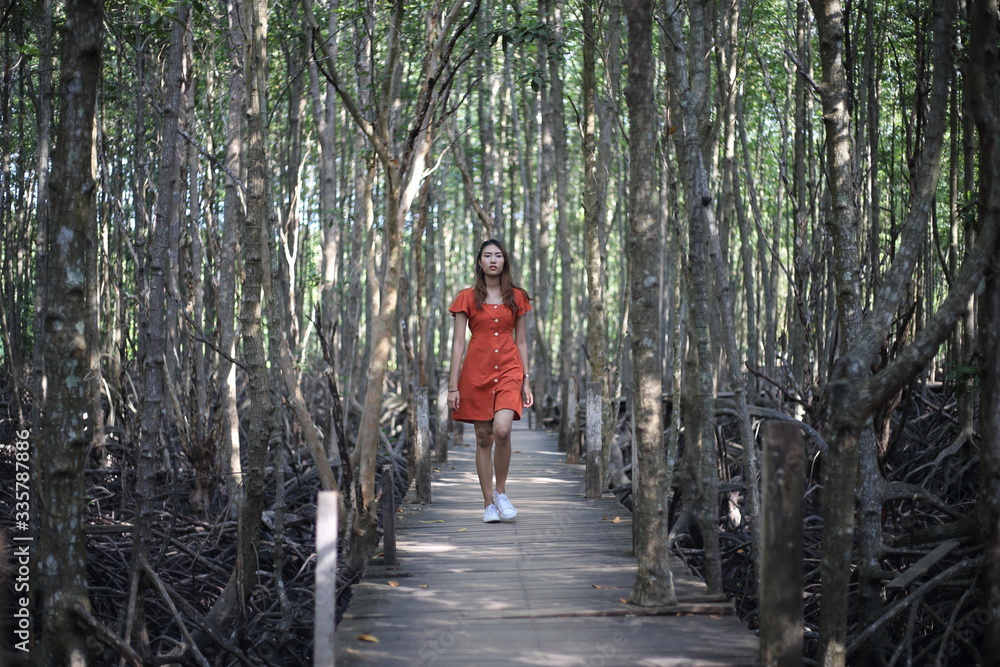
x=393, y=583
x=434, y=521
x=368, y=638
x=614, y=588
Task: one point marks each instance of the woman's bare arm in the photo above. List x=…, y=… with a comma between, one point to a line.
x=457, y=355
x=521, y=340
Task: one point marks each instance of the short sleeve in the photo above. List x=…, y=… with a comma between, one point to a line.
x=462, y=304
x=521, y=299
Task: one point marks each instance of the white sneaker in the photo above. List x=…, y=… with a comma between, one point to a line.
x=504, y=506
x=490, y=515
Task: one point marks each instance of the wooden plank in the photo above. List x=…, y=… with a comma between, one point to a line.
x=920, y=568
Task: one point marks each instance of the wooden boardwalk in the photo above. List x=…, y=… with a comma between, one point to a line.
x=547, y=588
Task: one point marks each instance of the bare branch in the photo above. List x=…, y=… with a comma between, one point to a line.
x=330, y=73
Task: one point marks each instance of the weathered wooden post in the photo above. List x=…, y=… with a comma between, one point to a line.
x=423, y=447
x=573, y=425
x=781, y=624
x=594, y=426
x=443, y=419
x=388, y=504
x=568, y=427
x=563, y=419
x=327, y=506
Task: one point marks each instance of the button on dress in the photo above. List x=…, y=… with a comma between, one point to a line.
x=492, y=372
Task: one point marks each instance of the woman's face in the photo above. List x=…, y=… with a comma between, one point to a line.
x=491, y=260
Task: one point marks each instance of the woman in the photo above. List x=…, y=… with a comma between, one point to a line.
x=488, y=384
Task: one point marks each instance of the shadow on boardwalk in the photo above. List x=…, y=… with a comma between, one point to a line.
x=547, y=588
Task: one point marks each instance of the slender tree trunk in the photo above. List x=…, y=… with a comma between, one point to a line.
x=688, y=89
x=654, y=581
x=853, y=395
x=594, y=254
x=323, y=99
x=231, y=604
x=233, y=214
x=202, y=452
x=800, y=320
x=840, y=471
x=567, y=289
x=44, y=114
x=152, y=345
x=984, y=86
x=65, y=429
x=607, y=121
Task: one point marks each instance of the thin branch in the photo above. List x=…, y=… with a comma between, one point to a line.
x=912, y=598
x=170, y=596
x=803, y=72
x=104, y=634
x=459, y=152
x=199, y=335
x=330, y=74
x=726, y=407
x=162, y=588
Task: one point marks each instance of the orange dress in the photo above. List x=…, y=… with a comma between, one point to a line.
x=492, y=372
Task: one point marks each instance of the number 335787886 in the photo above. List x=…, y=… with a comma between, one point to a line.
x=22, y=475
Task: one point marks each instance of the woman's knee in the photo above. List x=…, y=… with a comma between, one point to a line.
x=502, y=434
x=484, y=436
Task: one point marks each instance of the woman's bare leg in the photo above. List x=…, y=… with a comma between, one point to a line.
x=484, y=460
x=502, y=422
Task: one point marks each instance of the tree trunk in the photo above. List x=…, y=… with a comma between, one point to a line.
x=323, y=97
x=44, y=111
x=65, y=429
x=404, y=170
x=654, y=581
x=152, y=319
x=853, y=395
x=594, y=254
x=233, y=214
x=567, y=346
x=984, y=89
x=231, y=604
x=689, y=88
x=840, y=471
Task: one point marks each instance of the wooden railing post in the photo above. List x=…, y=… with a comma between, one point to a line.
x=563, y=421
x=573, y=426
x=569, y=428
x=388, y=505
x=423, y=447
x=781, y=623
x=443, y=419
x=594, y=427
x=327, y=508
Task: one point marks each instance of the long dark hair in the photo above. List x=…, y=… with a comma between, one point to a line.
x=507, y=285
